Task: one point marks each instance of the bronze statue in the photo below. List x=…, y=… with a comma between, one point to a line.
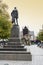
x=14, y=15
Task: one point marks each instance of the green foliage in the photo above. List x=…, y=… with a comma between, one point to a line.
x=40, y=35
x=5, y=24
x=5, y=27
x=3, y=12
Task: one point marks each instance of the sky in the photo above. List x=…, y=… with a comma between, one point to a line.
x=30, y=13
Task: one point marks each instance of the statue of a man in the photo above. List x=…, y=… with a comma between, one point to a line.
x=14, y=15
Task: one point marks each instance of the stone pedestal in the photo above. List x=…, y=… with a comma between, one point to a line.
x=15, y=50
x=15, y=31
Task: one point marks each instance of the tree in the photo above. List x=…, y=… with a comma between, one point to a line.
x=5, y=24
x=3, y=8
x=5, y=28
x=40, y=35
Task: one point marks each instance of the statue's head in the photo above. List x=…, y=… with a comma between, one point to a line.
x=14, y=7
x=25, y=27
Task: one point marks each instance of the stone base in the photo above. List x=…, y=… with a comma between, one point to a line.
x=15, y=31
x=20, y=56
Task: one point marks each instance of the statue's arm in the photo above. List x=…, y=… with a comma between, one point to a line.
x=12, y=13
x=17, y=13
